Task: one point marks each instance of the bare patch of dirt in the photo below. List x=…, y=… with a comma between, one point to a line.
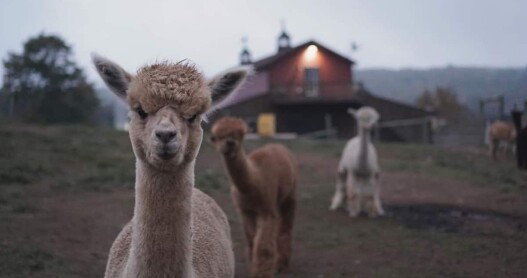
x=453, y=219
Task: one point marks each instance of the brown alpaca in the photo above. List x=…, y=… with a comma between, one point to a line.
x=503, y=132
x=176, y=230
x=263, y=189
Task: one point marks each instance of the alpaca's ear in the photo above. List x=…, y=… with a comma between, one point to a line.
x=115, y=77
x=227, y=82
x=352, y=112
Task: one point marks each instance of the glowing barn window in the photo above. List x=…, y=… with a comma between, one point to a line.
x=311, y=52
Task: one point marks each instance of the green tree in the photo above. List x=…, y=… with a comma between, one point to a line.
x=443, y=100
x=43, y=84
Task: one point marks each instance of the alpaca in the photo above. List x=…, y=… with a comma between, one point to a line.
x=358, y=171
x=521, y=140
x=502, y=132
x=176, y=230
x=263, y=190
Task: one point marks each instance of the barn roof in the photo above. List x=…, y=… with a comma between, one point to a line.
x=362, y=96
x=270, y=60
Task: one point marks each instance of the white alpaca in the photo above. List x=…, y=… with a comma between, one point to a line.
x=176, y=230
x=358, y=172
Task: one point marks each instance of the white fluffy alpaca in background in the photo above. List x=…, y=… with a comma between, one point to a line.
x=358, y=172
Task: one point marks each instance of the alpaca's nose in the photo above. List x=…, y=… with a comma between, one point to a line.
x=230, y=143
x=166, y=136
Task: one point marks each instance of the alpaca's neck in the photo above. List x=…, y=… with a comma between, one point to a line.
x=364, y=136
x=161, y=227
x=239, y=170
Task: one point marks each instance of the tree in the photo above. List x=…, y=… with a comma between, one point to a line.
x=444, y=101
x=43, y=84
x=426, y=101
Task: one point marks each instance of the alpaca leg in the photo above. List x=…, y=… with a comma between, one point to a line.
x=285, y=238
x=513, y=148
x=494, y=148
x=377, y=204
x=340, y=192
x=376, y=199
x=353, y=197
x=355, y=205
x=373, y=205
x=509, y=150
x=265, y=255
x=249, y=227
x=369, y=206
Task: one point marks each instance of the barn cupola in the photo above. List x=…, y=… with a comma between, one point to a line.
x=284, y=41
x=245, y=55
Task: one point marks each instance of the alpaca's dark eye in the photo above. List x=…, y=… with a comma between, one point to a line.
x=141, y=113
x=212, y=138
x=191, y=119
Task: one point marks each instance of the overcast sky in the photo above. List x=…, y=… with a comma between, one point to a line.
x=394, y=34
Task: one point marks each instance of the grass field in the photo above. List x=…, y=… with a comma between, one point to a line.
x=65, y=192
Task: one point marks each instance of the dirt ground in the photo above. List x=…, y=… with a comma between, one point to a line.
x=66, y=192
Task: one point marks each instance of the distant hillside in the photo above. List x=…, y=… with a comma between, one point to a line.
x=471, y=84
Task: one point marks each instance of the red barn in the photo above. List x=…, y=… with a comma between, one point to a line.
x=309, y=88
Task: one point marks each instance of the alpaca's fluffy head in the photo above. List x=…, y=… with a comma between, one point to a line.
x=178, y=85
x=227, y=135
x=366, y=116
x=168, y=101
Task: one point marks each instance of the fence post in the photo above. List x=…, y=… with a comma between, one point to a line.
x=501, y=102
x=327, y=123
x=425, y=131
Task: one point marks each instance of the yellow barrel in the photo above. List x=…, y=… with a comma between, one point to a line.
x=266, y=124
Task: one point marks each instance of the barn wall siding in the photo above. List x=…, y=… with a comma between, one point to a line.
x=289, y=72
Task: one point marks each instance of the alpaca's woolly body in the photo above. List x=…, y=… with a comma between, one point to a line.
x=263, y=190
x=358, y=171
x=502, y=132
